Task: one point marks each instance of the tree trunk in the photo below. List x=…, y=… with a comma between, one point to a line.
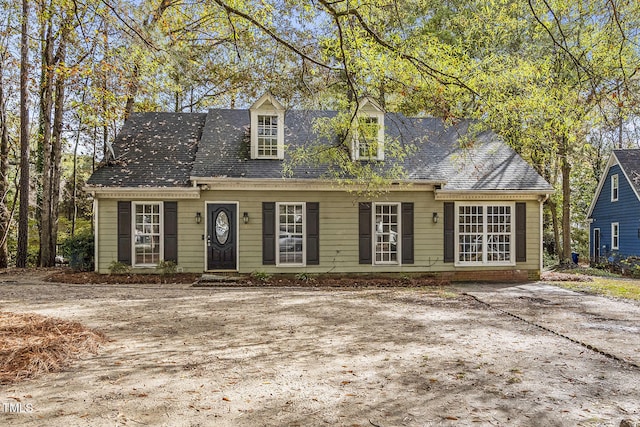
x=44, y=147
x=556, y=228
x=74, y=190
x=131, y=93
x=23, y=218
x=56, y=151
x=5, y=218
x=565, y=168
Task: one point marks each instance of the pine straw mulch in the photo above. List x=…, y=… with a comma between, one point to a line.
x=288, y=280
x=68, y=275
x=31, y=344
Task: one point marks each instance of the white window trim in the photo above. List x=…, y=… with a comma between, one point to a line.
x=133, y=232
x=485, y=262
x=254, y=133
x=355, y=149
x=267, y=105
x=615, y=184
x=373, y=234
x=615, y=236
x=304, y=235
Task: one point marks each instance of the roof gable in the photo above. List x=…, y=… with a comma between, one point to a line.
x=629, y=162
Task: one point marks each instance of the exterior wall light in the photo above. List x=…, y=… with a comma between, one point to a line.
x=198, y=217
x=435, y=217
x=245, y=217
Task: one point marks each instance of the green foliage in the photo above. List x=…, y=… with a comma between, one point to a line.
x=261, y=276
x=305, y=277
x=117, y=267
x=79, y=250
x=167, y=267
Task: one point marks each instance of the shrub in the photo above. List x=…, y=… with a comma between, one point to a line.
x=261, y=276
x=167, y=267
x=117, y=267
x=79, y=250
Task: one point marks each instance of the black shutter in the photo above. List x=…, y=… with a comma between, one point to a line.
x=124, y=232
x=407, y=233
x=313, y=233
x=364, y=232
x=521, y=232
x=449, y=232
x=268, y=233
x=171, y=231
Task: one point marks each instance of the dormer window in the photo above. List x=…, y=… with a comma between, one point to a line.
x=368, y=135
x=267, y=136
x=267, y=128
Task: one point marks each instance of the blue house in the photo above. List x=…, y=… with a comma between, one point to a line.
x=614, y=215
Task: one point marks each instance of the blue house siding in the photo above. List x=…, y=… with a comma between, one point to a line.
x=625, y=211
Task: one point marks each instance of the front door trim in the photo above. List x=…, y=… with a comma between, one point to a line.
x=206, y=229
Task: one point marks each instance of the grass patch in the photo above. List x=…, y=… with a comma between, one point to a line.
x=609, y=286
x=590, y=271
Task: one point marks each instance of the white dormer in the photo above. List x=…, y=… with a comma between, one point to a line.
x=368, y=132
x=267, y=128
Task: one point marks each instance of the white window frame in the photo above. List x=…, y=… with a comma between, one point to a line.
x=259, y=115
x=615, y=235
x=134, y=235
x=379, y=153
x=367, y=108
x=485, y=233
x=267, y=105
x=304, y=235
x=374, y=235
x=615, y=187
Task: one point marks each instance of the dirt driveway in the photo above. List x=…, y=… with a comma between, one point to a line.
x=183, y=356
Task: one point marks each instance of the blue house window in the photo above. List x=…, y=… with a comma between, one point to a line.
x=615, y=235
x=614, y=188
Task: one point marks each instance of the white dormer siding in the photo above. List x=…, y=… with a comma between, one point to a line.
x=267, y=128
x=368, y=132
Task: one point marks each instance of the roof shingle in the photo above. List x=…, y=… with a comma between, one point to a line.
x=167, y=149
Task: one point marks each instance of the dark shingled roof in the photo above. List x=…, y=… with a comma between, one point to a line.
x=629, y=161
x=224, y=151
x=152, y=150
x=489, y=165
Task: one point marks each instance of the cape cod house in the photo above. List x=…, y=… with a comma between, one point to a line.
x=614, y=214
x=209, y=192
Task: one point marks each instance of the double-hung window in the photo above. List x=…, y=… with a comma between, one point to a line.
x=367, y=138
x=386, y=232
x=485, y=234
x=291, y=234
x=615, y=235
x=147, y=226
x=614, y=187
x=268, y=136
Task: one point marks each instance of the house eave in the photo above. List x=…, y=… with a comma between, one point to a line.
x=145, y=193
x=293, y=184
x=539, y=195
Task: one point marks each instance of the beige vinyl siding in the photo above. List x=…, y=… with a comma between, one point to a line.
x=338, y=232
x=107, y=234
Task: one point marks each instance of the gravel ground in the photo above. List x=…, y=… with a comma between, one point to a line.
x=183, y=356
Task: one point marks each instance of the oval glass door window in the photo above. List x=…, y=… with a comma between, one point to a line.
x=222, y=228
